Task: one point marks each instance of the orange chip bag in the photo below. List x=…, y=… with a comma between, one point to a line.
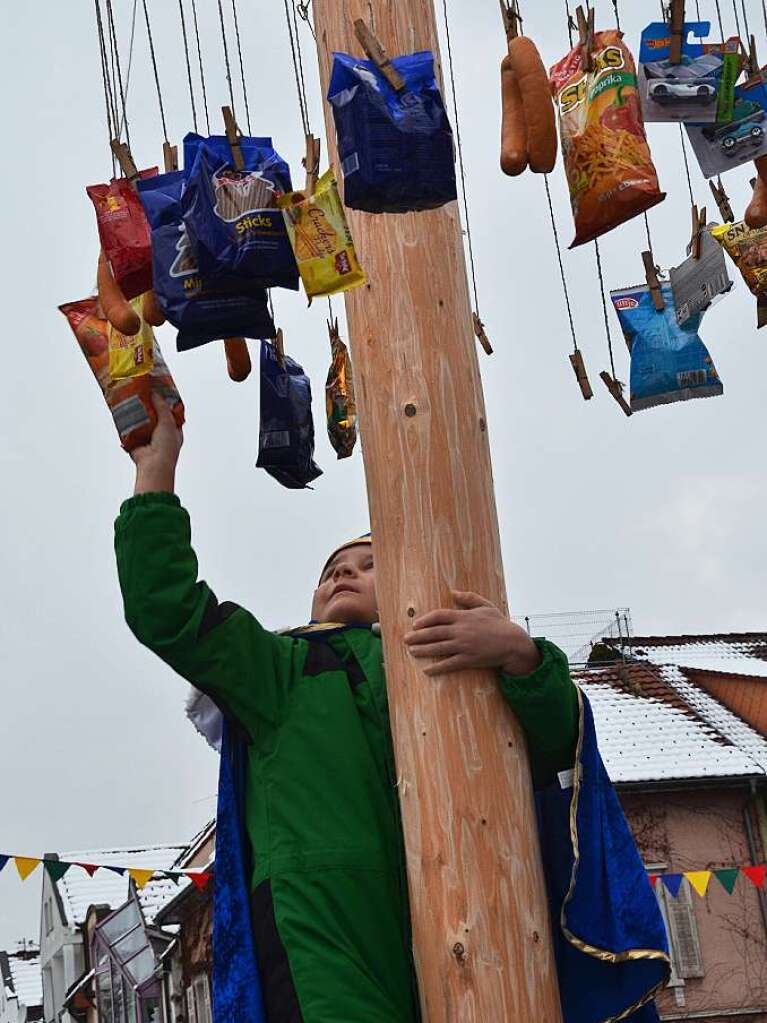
x=130, y=399
x=609, y=169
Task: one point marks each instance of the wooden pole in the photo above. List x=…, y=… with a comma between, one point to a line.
x=480, y=916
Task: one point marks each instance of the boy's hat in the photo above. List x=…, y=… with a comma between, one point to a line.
x=358, y=542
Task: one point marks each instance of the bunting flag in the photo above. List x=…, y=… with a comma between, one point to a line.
x=25, y=865
x=200, y=880
x=141, y=876
x=727, y=878
x=755, y=874
x=673, y=882
x=56, y=869
x=699, y=879
x=3, y=861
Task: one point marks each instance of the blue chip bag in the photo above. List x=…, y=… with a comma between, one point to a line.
x=286, y=436
x=200, y=308
x=668, y=362
x=396, y=149
x=232, y=216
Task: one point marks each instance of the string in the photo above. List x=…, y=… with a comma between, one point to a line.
x=604, y=308
x=745, y=19
x=570, y=23
x=242, y=68
x=300, y=58
x=130, y=58
x=188, y=63
x=116, y=60
x=686, y=164
x=108, y=95
x=764, y=13
x=737, y=19
x=617, y=15
x=199, y=59
x=300, y=84
x=154, y=68
x=303, y=13
x=719, y=18
x=226, y=58
x=562, y=275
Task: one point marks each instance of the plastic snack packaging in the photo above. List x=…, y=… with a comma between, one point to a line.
x=668, y=362
x=201, y=308
x=340, y=404
x=286, y=436
x=131, y=355
x=124, y=233
x=609, y=169
x=129, y=400
x=321, y=239
x=396, y=148
x=231, y=214
x=747, y=248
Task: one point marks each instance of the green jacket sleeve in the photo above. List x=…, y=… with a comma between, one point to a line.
x=219, y=648
x=546, y=704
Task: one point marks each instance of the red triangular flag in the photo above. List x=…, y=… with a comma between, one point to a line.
x=653, y=879
x=90, y=867
x=200, y=880
x=755, y=874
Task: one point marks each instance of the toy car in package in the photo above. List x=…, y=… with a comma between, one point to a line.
x=232, y=214
x=124, y=233
x=669, y=362
x=721, y=146
x=609, y=169
x=201, y=308
x=396, y=148
x=129, y=399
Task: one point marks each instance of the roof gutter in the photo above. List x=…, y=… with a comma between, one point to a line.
x=715, y=1013
x=752, y=781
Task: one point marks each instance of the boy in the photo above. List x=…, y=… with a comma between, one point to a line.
x=327, y=882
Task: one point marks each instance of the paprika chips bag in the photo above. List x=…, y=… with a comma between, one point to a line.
x=131, y=355
x=747, y=247
x=609, y=169
x=124, y=233
x=129, y=400
x=340, y=405
x=321, y=239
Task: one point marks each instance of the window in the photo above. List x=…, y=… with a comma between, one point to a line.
x=48, y=916
x=682, y=929
x=198, y=1000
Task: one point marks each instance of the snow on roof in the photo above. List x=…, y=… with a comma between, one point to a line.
x=731, y=653
x=26, y=979
x=79, y=891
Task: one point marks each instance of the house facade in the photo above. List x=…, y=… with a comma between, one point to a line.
x=21, y=990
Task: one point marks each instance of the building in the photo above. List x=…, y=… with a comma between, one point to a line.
x=21, y=988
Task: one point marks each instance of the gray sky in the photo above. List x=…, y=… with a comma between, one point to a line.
x=663, y=513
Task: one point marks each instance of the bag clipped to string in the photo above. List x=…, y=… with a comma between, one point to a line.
x=202, y=309
x=395, y=145
x=669, y=362
x=129, y=399
x=124, y=233
x=286, y=435
x=230, y=210
x=747, y=247
x=340, y=404
x=321, y=239
x=720, y=147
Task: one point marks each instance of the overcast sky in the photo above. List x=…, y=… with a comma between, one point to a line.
x=663, y=512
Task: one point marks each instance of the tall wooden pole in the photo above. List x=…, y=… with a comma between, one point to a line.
x=480, y=918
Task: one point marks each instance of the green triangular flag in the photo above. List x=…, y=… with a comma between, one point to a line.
x=56, y=869
x=727, y=878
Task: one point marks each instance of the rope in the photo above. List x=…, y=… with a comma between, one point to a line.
x=199, y=59
x=719, y=18
x=303, y=13
x=108, y=96
x=571, y=26
x=686, y=164
x=154, y=68
x=226, y=57
x=188, y=62
x=116, y=60
x=764, y=13
x=297, y=66
x=561, y=263
x=604, y=308
x=737, y=19
x=745, y=19
x=300, y=57
x=242, y=68
x=617, y=15
x=130, y=59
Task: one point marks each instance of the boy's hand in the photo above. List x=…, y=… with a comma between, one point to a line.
x=156, y=461
x=475, y=635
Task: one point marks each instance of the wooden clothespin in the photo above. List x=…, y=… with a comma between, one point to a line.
x=651, y=276
x=233, y=138
x=279, y=348
x=512, y=19
x=479, y=330
x=312, y=164
x=579, y=367
x=722, y=201
x=677, y=31
x=699, y=219
x=170, y=157
x=375, y=51
x=752, y=61
x=123, y=156
x=615, y=387
x=333, y=331
x=586, y=24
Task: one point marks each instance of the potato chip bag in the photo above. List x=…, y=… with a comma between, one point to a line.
x=609, y=169
x=129, y=400
x=131, y=356
x=124, y=233
x=747, y=248
x=321, y=239
x=340, y=403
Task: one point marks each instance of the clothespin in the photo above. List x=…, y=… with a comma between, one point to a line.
x=312, y=164
x=677, y=31
x=722, y=201
x=479, y=330
x=279, y=348
x=586, y=25
x=233, y=138
x=123, y=156
x=651, y=276
x=579, y=367
x=512, y=19
x=615, y=387
x=333, y=332
x=375, y=51
x=699, y=219
x=752, y=61
x=170, y=157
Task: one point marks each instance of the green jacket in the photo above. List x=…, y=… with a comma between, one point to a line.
x=322, y=810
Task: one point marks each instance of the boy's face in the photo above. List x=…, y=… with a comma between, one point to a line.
x=347, y=590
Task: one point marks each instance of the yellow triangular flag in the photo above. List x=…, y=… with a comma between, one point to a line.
x=699, y=879
x=25, y=865
x=140, y=876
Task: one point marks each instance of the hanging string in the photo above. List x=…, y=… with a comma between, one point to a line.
x=118, y=133
x=764, y=14
x=719, y=18
x=571, y=26
x=303, y=13
x=116, y=60
x=617, y=15
x=226, y=57
x=188, y=63
x=686, y=164
x=154, y=68
x=737, y=19
x=242, y=68
x=604, y=308
x=745, y=19
x=300, y=56
x=563, y=278
x=199, y=60
x=108, y=92
x=295, y=46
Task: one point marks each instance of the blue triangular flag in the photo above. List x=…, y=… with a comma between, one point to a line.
x=673, y=882
x=3, y=861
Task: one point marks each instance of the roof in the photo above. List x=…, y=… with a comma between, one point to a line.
x=735, y=653
x=22, y=977
x=78, y=891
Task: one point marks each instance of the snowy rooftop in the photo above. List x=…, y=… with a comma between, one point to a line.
x=22, y=978
x=743, y=653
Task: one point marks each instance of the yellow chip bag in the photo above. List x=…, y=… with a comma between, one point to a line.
x=131, y=356
x=321, y=239
x=748, y=249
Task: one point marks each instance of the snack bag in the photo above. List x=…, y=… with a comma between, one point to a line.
x=202, y=309
x=668, y=363
x=698, y=283
x=131, y=355
x=129, y=400
x=231, y=215
x=609, y=169
x=286, y=436
x=747, y=248
x=124, y=233
x=340, y=404
x=321, y=239
x=396, y=148
x=720, y=147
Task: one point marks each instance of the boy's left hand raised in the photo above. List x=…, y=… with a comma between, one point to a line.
x=476, y=634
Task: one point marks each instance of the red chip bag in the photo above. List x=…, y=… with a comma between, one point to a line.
x=124, y=233
x=129, y=400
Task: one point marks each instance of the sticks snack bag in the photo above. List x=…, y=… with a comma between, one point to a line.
x=124, y=233
x=747, y=248
x=609, y=169
x=129, y=400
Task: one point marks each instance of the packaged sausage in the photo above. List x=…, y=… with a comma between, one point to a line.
x=609, y=169
x=747, y=248
x=129, y=400
x=124, y=233
x=340, y=404
x=321, y=239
